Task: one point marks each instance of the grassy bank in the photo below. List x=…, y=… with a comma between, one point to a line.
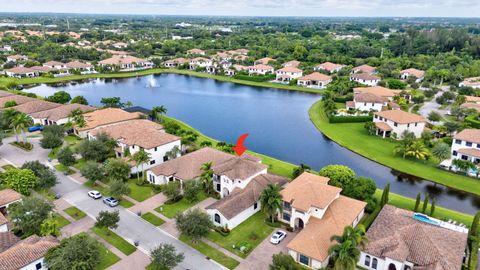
x=354, y=137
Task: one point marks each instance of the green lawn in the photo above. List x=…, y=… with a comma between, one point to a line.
x=171, y=210
x=75, y=213
x=47, y=194
x=249, y=233
x=211, y=252
x=126, y=204
x=79, y=164
x=107, y=258
x=152, y=218
x=61, y=220
x=139, y=193
x=354, y=137
x=8, y=167
x=62, y=168
x=115, y=240
x=104, y=191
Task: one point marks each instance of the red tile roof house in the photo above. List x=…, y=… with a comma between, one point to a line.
x=293, y=63
x=365, y=78
x=364, y=69
x=7, y=197
x=172, y=63
x=16, y=57
x=59, y=115
x=418, y=74
x=35, y=106
x=367, y=102
x=21, y=72
x=287, y=74
x=83, y=68
x=126, y=63
x=17, y=98
x=264, y=61
x=329, y=66
x=140, y=134
x=466, y=145
x=473, y=82
x=260, y=69
x=196, y=51
x=103, y=118
x=399, y=239
x=200, y=62
x=397, y=122
x=60, y=69
x=318, y=211
x=314, y=80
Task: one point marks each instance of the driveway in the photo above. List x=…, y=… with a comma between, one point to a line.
x=131, y=227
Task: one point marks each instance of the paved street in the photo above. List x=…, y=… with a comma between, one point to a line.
x=131, y=227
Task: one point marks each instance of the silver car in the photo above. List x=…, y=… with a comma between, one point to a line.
x=112, y=202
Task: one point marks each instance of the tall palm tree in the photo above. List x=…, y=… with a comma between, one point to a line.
x=173, y=153
x=345, y=255
x=140, y=157
x=271, y=200
x=207, y=177
x=156, y=111
x=8, y=115
x=418, y=150
x=21, y=121
x=77, y=117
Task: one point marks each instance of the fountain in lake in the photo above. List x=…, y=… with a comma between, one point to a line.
x=152, y=83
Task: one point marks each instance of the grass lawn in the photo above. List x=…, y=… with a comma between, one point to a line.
x=8, y=167
x=115, y=240
x=62, y=168
x=211, y=252
x=62, y=221
x=170, y=210
x=354, y=137
x=47, y=194
x=156, y=221
x=249, y=233
x=104, y=190
x=107, y=258
x=126, y=204
x=79, y=164
x=75, y=213
x=139, y=193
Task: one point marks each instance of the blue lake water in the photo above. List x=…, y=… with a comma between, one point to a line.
x=277, y=121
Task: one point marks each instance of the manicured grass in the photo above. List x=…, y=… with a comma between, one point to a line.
x=211, y=252
x=170, y=210
x=115, y=240
x=47, y=194
x=126, y=204
x=61, y=220
x=24, y=146
x=75, y=213
x=8, y=167
x=156, y=221
x=251, y=233
x=79, y=164
x=62, y=168
x=139, y=193
x=354, y=137
x=107, y=258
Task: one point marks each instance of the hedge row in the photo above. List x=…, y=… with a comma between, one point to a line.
x=255, y=78
x=349, y=119
x=472, y=121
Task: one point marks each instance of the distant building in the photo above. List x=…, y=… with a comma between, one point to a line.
x=287, y=74
x=15, y=58
x=21, y=72
x=329, y=67
x=172, y=63
x=365, y=78
x=196, y=51
x=293, y=63
x=367, y=102
x=418, y=74
x=314, y=80
x=59, y=115
x=264, y=61
x=260, y=69
x=466, y=145
x=103, y=118
x=364, y=69
x=126, y=63
x=397, y=122
x=473, y=82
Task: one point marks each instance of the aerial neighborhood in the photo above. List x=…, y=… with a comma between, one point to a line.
x=119, y=149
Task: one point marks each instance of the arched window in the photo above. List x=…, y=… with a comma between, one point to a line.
x=217, y=218
x=392, y=267
x=367, y=261
x=406, y=267
x=374, y=263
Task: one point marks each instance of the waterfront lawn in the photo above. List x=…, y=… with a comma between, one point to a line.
x=211, y=253
x=249, y=233
x=171, y=210
x=153, y=219
x=107, y=258
x=61, y=220
x=115, y=240
x=75, y=213
x=354, y=137
x=139, y=193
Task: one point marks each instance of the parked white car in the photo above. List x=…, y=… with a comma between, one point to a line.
x=94, y=194
x=277, y=237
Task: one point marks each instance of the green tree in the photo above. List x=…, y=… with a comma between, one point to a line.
x=92, y=171
x=173, y=191
x=140, y=158
x=106, y=219
x=79, y=100
x=463, y=165
x=77, y=117
x=46, y=178
x=432, y=207
x=112, y=102
x=61, y=97
x=370, y=127
x=50, y=227
x=165, y=257
x=173, y=153
x=425, y=204
x=99, y=149
x=361, y=188
x=21, y=121
x=28, y=215
x=271, y=201
x=441, y=151
x=283, y=262
x=52, y=136
x=194, y=224
x=7, y=120
x=385, y=195
x=119, y=188
x=21, y=180
x=156, y=111
x=10, y=103
x=76, y=252
x=473, y=242
x=207, y=177
x=418, y=150
x=117, y=169
x=417, y=202
x=65, y=157
x=345, y=252
x=434, y=116
x=340, y=175
x=297, y=171
x=191, y=190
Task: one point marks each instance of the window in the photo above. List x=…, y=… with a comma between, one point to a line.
x=367, y=261
x=165, y=158
x=374, y=263
x=286, y=216
x=408, y=125
x=152, y=161
x=217, y=218
x=152, y=178
x=38, y=266
x=458, y=141
x=155, y=149
x=464, y=157
x=395, y=124
x=478, y=145
x=468, y=143
x=303, y=259
x=255, y=206
x=286, y=205
x=416, y=124
x=454, y=153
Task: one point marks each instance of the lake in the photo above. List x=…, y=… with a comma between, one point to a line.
x=277, y=121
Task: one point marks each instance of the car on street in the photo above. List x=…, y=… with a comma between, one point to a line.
x=112, y=202
x=95, y=194
x=277, y=237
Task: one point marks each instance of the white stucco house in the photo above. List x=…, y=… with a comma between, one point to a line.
x=466, y=145
x=104, y=118
x=260, y=69
x=314, y=80
x=418, y=74
x=287, y=74
x=329, y=66
x=7, y=197
x=173, y=63
x=200, y=62
x=397, y=121
x=21, y=72
x=365, y=78
x=59, y=115
x=368, y=102
x=473, y=82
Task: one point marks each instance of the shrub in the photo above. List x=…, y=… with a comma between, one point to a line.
x=349, y=119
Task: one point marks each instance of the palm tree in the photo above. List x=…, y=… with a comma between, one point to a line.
x=140, y=157
x=77, y=117
x=402, y=147
x=345, y=255
x=271, y=200
x=207, y=177
x=441, y=151
x=463, y=165
x=21, y=121
x=156, y=111
x=8, y=115
x=173, y=153
x=417, y=150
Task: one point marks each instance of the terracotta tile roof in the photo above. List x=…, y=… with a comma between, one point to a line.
x=16, y=56
x=310, y=190
x=470, y=152
x=470, y=135
x=240, y=67
x=473, y=81
x=383, y=126
x=370, y=98
x=180, y=61
x=195, y=51
x=413, y=71
x=364, y=69
x=264, y=60
x=26, y=252
x=5, y=94
x=289, y=69
x=3, y=219
x=401, y=117
x=199, y=59
x=472, y=99
x=395, y=234
x=122, y=59
x=36, y=106
x=377, y=90
x=20, y=70
x=241, y=199
x=471, y=106
x=7, y=239
x=78, y=65
x=315, y=76
x=43, y=69
x=329, y=66
x=107, y=116
x=314, y=239
x=8, y=196
x=293, y=63
x=241, y=167
x=17, y=98
x=53, y=63
x=350, y=104
x=261, y=67
x=141, y=132
x=62, y=111
x=365, y=76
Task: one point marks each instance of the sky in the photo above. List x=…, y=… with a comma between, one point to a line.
x=364, y=8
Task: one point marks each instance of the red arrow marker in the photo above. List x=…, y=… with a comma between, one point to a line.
x=240, y=148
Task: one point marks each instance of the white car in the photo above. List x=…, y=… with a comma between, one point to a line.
x=277, y=237
x=95, y=194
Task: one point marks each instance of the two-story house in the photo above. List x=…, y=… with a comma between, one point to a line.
x=466, y=145
x=260, y=69
x=199, y=62
x=314, y=80
x=287, y=74
x=397, y=122
x=329, y=67
x=365, y=78
x=418, y=74
x=319, y=212
x=367, y=102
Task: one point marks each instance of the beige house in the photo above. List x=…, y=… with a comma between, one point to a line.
x=292, y=63
x=364, y=69
x=260, y=69
x=21, y=72
x=103, y=118
x=397, y=122
x=172, y=63
x=287, y=74
x=59, y=115
x=329, y=67
x=365, y=78
x=314, y=80
x=319, y=212
x=126, y=62
x=473, y=82
x=378, y=90
x=418, y=74
x=83, y=68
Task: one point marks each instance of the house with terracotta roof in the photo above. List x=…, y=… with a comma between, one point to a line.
x=133, y=135
x=18, y=99
x=83, y=68
x=466, y=145
x=329, y=67
x=36, y=105
x=365, y=78
x=43, y=69
x=318, y=211
x=26, y=254
x=7, y=197
x=55, y=65
x=471, y=105
x=367, y=102
x=21, y=72
x=120, y=45
x=287, y=74
x=126, y=63
x=59, y=115
x=172, y=63
x=364, y=69
x=293, y=63
x=472, y=99
x=103, y=118
x=260, y=69
x=473, y=82
x=263, y=61
x=403, y=240
x=314, y=80
x=196, y=51
x=393, y=123
x=418, y=74
x=16, y=57
x=199, y=62
x=378, y=90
